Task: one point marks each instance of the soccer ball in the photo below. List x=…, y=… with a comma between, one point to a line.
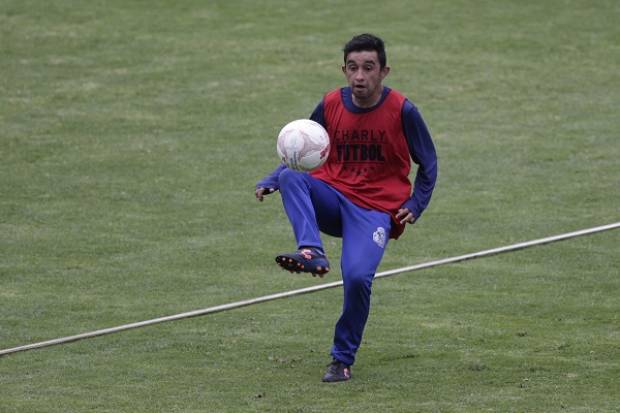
x=303, y=145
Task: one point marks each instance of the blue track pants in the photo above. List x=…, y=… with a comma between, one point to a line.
x=313, y=206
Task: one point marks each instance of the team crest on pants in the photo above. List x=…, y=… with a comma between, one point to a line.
x=379, y=237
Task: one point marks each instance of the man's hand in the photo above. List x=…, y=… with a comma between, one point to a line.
x=405, y=216
x=261, y=192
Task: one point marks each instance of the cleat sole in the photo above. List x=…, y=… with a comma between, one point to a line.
x=294, y=266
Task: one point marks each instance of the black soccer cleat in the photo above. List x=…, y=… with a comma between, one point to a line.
x=305, y=260
x=337, y=371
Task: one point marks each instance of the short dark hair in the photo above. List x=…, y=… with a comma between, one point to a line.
x=366, y=43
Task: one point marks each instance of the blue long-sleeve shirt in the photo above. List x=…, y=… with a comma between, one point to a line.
x=419, y=142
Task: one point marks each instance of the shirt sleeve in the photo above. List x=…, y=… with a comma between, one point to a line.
x=272, y=180
x=423, y=153
x=318, y=115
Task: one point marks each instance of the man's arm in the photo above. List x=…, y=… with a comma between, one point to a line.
x=269, y=184
x=423, y=153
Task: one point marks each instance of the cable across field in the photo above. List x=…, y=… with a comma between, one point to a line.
x=301, y=291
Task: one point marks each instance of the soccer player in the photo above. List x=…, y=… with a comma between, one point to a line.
x=362, y=193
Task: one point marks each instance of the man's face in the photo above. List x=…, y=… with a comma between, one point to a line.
x=365, y=75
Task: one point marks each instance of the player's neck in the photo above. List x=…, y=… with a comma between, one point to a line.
x=368, y=102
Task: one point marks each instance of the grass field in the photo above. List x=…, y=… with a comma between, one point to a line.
x=131, y=137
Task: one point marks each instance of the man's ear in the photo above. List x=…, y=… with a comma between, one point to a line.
x=384, y=72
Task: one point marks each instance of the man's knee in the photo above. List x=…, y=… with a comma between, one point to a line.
x=290, y=177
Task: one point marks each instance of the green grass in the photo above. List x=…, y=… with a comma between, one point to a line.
x=132, y=134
